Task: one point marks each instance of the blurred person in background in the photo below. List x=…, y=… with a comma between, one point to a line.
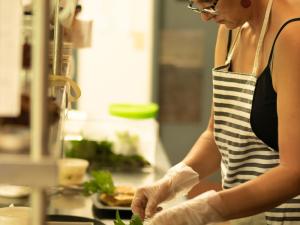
x=253, y=134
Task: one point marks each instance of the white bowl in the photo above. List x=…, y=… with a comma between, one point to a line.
x=72, y=171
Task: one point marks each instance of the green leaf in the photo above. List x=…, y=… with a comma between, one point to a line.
x=100, y=155
x=136, y=220
x=118, y=220
x=101, y=182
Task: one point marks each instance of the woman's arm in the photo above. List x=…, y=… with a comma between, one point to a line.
x=204, y=156
x=283, y=182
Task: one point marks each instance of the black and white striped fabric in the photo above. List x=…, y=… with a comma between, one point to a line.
x=244, y=155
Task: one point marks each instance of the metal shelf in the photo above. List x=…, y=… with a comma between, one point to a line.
x=22, y=170
x=39, y=168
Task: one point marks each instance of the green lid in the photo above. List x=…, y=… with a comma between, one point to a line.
x=134, y=111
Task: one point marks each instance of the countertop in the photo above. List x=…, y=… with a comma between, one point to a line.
x=79, y=205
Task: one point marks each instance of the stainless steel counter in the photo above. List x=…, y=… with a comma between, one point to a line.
x=79, y=205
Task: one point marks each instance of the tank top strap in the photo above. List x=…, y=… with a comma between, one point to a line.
x=277, y=36
x=229, y=41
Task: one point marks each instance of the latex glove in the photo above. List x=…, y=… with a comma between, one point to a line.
x=178, y=179
x=204, y=209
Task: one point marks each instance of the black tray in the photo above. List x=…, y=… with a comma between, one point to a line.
x=102, y=211
x=69, y=218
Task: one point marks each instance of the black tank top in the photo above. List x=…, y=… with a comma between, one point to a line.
x=264, y=120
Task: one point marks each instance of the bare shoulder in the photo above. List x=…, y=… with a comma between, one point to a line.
x=284, y=10
x=290, y=35
x=286, y=56
x=288, y=43
x=289, y=38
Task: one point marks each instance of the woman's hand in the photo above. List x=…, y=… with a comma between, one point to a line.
x=147, y=198
x=180, y=178
x=198, y=211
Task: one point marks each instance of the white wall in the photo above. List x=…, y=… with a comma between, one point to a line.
x=118, y=67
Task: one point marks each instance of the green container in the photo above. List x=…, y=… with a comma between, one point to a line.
x=134, y=111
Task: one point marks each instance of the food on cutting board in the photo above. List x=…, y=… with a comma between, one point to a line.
x=122, y=196
x=101, y=182
x=101, y=156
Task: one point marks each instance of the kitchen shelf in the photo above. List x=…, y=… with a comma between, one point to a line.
x=38, y=169
x=22, y=170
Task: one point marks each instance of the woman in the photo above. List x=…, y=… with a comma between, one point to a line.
x=254, y=130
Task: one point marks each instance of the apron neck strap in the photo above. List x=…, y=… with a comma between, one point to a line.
x=230, y=55
x=261, y=37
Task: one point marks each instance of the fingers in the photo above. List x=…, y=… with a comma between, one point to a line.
x=143, y=206
x=147, y=198
x=139, y=203
x=154, y=199
x=155, y=220
x=162, y=218
x=151, y=207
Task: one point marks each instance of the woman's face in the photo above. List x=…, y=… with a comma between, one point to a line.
x=230, y=12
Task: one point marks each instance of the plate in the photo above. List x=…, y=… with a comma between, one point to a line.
x=103, y=211
x=12, y=191
x=66, y=190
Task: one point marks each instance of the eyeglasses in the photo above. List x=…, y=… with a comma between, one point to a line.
x=207, y=10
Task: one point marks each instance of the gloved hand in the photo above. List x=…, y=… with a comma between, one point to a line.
x=204, y=209
x=178, y=179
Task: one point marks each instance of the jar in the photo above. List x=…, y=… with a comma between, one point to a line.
x=136, y=129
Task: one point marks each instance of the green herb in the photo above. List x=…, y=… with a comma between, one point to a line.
x=135, y=220
x=101, y=156
x=100, y=182
x=118, y=220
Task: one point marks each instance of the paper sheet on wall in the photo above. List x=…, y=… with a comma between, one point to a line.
x=10, y=57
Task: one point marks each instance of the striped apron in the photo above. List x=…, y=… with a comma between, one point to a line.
x=244, y=155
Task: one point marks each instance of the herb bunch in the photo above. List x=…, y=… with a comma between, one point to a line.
x=101, y=156
x=101, y=182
